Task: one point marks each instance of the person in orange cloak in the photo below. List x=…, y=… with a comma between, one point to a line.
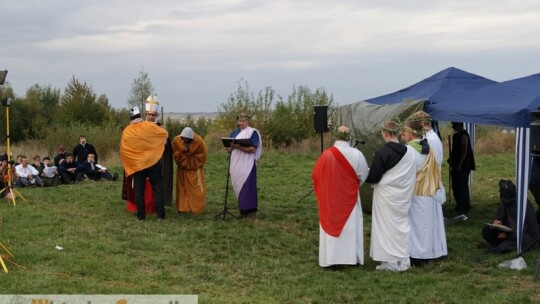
x=190, y=152
x=141, y=148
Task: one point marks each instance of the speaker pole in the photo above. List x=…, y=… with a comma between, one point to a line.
x=322, y=143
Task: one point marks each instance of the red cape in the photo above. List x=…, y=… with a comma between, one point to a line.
x=336, y=187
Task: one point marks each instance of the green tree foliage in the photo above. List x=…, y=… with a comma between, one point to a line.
x=199, y=126
x=141, y=88
x=285, y=123
x=50, y=100
x=79, y=104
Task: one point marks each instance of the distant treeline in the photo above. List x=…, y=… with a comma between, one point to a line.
x=49, y=117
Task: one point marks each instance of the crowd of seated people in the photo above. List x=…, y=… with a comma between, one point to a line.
x=64, y=168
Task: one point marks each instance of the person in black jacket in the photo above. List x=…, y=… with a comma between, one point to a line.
x=70, y=170
x=95, y=171
x=461, y=163
x=80, y=152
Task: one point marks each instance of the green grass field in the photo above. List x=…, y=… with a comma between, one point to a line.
x=273, y=259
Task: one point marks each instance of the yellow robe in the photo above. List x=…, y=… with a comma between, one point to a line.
x=190, y=179
x=141, y=146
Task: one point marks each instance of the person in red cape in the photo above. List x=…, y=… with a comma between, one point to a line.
x=337, y=176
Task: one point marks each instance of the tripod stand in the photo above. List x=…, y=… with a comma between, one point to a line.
x=225, y=211
x=10, y=190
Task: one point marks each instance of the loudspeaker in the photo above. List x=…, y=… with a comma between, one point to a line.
x=535, y=133
x=320, y=119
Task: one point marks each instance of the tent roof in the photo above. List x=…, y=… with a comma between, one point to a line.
x=506, y=103
x=441, y=87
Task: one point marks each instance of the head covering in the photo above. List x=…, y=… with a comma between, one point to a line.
x=134, y=113
x=392, y=127
x=152, y=104
x=342, y=133
x=421, y=116
x=243, y=115
x=413, y=126
x=187, y=133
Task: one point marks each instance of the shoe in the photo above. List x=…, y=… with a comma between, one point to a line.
x=461, y=217
x=115, y=176
x=404, y=264
x=160, y=219
x=140, y=220
x=392, y=266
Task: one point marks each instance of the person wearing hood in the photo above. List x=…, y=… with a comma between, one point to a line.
x=190, y=153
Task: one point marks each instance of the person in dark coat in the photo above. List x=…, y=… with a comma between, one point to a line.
x=500, y=241
x=80, y=152
x=461, y=163
x=70, y=170
x=95, y=171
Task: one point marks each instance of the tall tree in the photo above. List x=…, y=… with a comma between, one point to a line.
x=50, y=100
x=78, y=104
x=141, y=88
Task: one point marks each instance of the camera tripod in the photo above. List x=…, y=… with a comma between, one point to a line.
x=9, y=189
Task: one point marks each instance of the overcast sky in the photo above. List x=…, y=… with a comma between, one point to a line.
x=196, y=52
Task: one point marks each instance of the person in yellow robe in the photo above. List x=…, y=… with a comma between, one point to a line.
x=190, y=152
x=141, y=148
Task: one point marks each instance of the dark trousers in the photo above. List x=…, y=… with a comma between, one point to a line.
x=460, y=188
x=68, y=177
x=155, y=176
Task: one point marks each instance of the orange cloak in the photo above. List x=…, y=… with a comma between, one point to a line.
x=141, y=146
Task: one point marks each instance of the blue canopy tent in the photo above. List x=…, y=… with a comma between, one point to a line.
x=365, y=117
x=507, y=103
x=441, y=87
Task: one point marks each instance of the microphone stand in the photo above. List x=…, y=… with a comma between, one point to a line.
x=225, y=211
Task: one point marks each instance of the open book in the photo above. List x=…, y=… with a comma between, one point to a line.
x=49, y=171
x=499, y=227
x=244, y=142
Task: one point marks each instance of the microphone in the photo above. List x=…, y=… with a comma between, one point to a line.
x=358, y=141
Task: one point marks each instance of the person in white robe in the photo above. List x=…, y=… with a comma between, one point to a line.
x=243, y=167
x=425, y=213
x=393, y=174
x=337, y=176
x=433, y=243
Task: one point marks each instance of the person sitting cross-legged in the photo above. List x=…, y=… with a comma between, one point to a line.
x=95, y=171
x=70, y=170
x=26, y=174
x=49, y=175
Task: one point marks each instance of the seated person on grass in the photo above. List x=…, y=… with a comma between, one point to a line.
x=26, y=174
x=501, y=236
x=70, y=170
x=96, y=171
x=37, y=164
x=49, y=175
